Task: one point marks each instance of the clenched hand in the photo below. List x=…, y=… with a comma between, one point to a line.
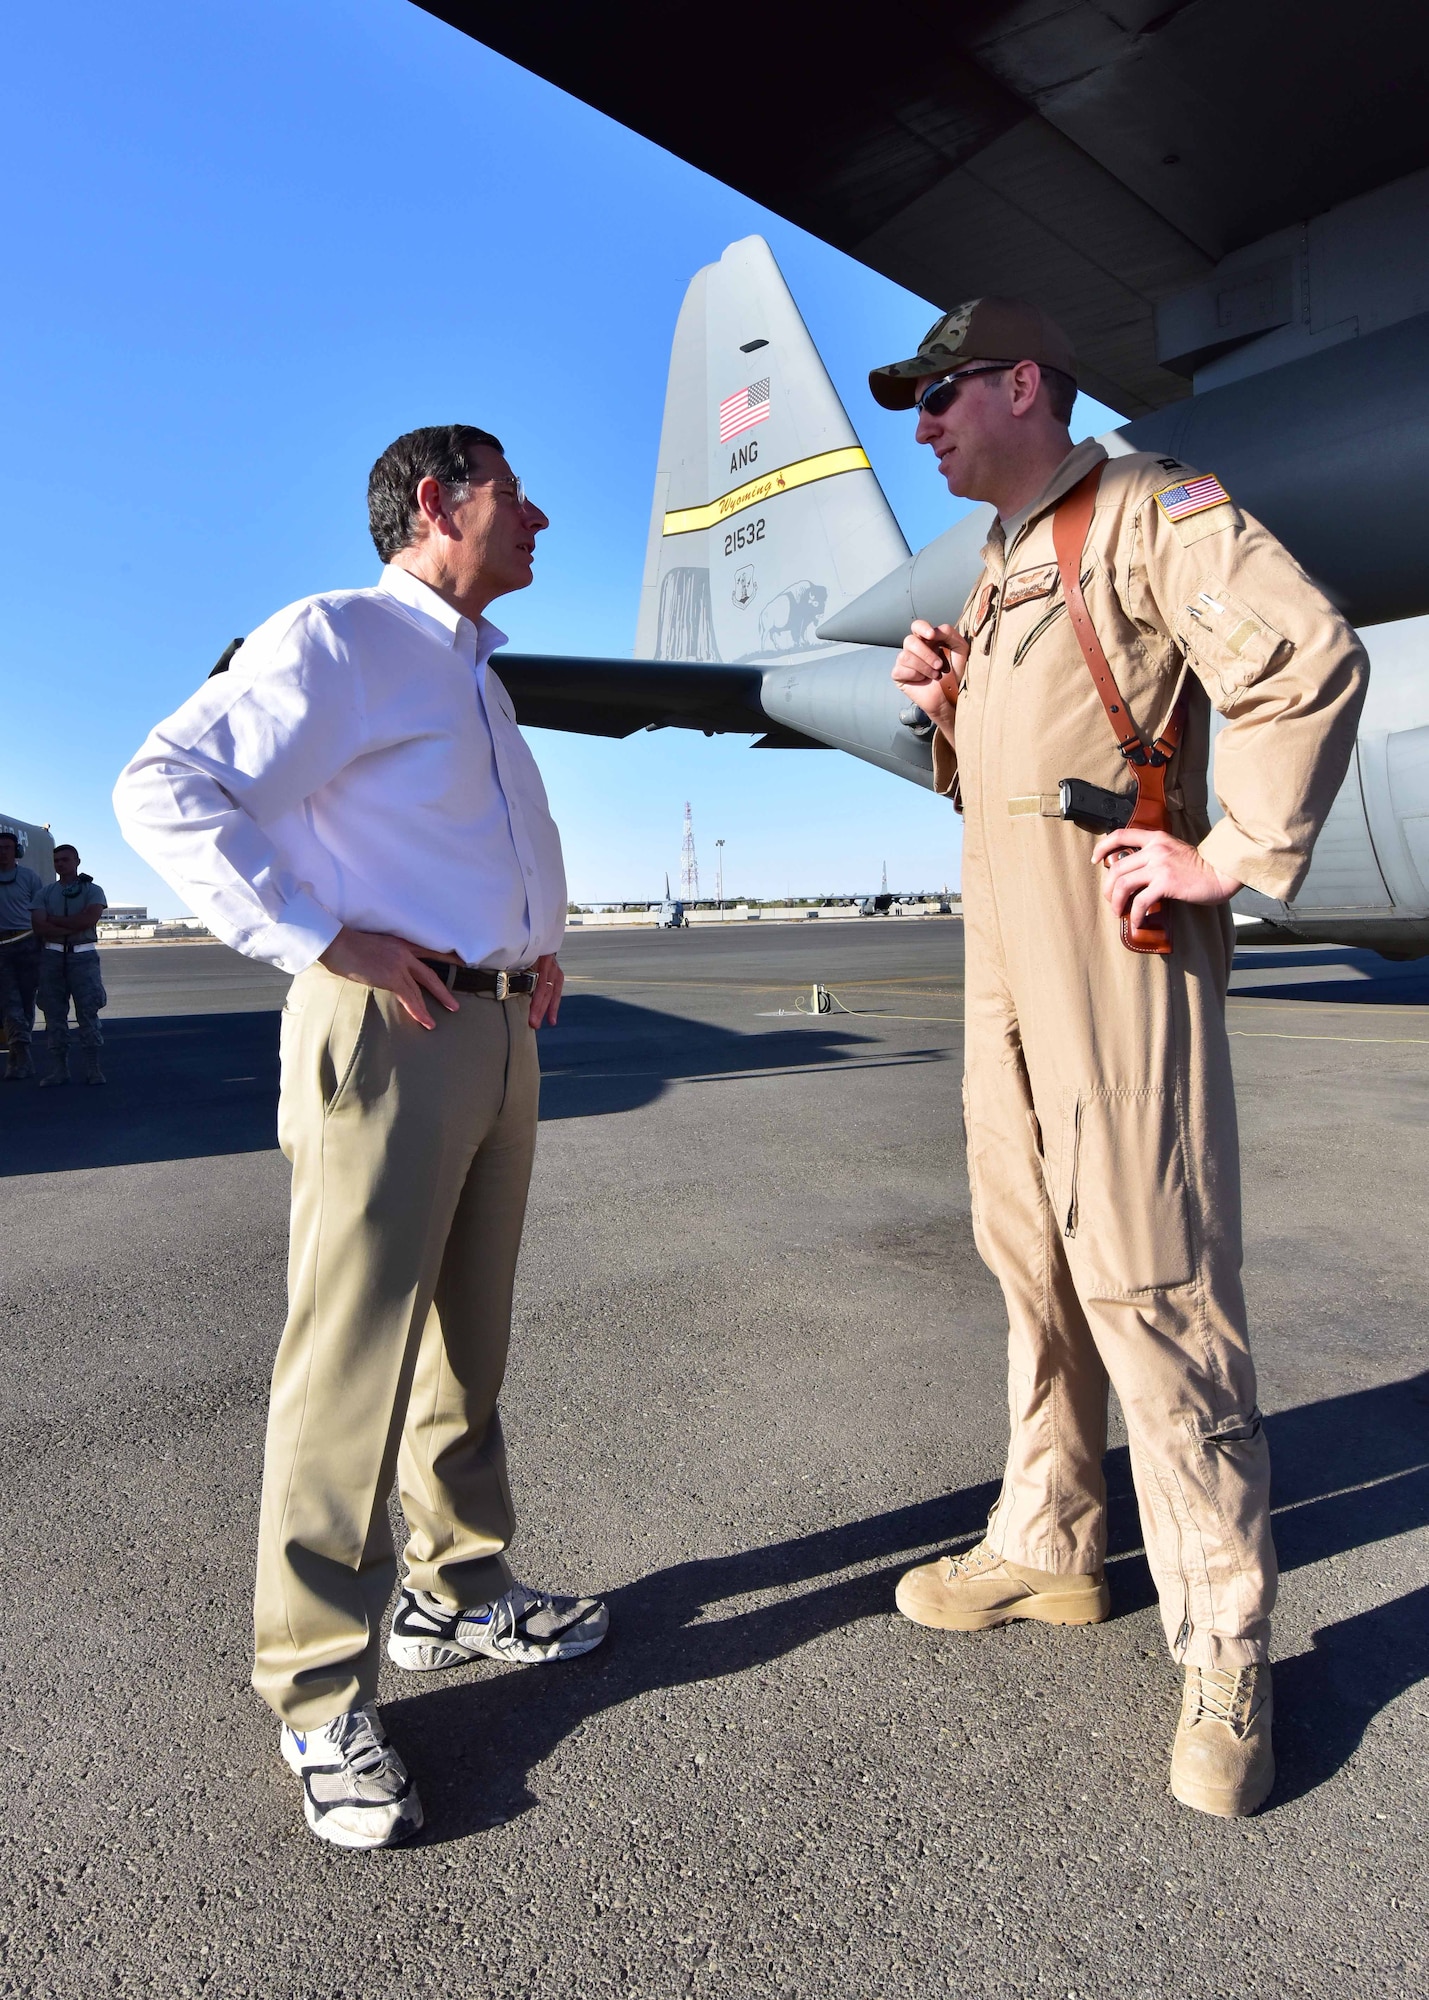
x=930, y=653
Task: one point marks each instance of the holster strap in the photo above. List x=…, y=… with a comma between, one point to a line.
x=1071, y=524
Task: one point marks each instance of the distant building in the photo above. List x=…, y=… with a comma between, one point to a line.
x=37, y=845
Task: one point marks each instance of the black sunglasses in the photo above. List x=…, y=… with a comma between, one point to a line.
x=938, y=396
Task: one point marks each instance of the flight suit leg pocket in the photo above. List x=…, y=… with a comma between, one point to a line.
x=1123, y=1195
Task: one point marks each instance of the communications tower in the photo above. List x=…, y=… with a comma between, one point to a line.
x=689, y=867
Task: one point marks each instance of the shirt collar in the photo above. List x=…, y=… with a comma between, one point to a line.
x=1079, y=460
x=476, y=641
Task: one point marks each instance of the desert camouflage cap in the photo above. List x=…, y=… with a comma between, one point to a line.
x=978, y=330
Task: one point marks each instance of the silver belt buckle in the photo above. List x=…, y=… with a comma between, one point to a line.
x=503, y=986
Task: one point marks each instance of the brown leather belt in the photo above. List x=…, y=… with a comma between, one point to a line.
x=478, y=979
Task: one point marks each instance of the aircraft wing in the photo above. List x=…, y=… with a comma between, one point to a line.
x=1093, y=155
x=617, y=697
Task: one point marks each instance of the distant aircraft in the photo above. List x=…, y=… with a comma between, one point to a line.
x=1224, y=203
x=672, y=910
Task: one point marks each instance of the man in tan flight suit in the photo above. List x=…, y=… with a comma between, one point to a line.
x=1101, y=1124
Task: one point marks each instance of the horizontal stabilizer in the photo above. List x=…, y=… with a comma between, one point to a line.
x=617, y=697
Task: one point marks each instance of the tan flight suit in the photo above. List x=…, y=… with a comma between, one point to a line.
x=1101, y=1124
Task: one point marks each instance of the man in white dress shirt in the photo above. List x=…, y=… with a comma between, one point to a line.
x=353, y=801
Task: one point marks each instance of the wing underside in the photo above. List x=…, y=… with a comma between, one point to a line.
x=1095, y=155
x=595, y=697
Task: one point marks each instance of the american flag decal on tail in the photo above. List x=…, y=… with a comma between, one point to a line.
x=1176, y=502
x=743, y=410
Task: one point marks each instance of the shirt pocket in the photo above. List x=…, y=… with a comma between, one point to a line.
x=1230, y=640
x=1122, y=1201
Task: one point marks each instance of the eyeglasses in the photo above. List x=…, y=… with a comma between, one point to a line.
x=511, y=488
x=939, y=396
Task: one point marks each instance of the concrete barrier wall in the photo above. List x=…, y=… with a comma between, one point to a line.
x=742, y=914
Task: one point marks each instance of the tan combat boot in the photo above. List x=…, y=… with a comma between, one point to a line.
x=59, y=1072
x=89, y=1062
x=1222, y=1760
x=971, y=1592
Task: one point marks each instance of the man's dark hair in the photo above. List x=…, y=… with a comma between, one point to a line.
x=67, y=847
x=1061, y=393
x=439, y=451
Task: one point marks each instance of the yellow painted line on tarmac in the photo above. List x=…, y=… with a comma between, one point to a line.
x=1366, y=1041
x=1263, y=1000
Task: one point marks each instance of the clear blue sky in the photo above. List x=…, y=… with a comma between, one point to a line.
x=248, y=245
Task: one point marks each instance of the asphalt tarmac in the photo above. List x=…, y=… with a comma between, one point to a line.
x=758, y=1371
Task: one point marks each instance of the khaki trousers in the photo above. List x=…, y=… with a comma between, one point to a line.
x=411, y=1153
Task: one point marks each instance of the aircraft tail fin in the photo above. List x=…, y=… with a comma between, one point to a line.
x=767, y=517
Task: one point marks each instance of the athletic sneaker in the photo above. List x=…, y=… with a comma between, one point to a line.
x=356, y=1792
x=525, y=1625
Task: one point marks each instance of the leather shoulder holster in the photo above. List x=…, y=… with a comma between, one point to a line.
x=1070, y=526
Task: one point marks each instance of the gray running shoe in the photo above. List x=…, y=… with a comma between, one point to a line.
x=356, y=1792
x=525, y=1625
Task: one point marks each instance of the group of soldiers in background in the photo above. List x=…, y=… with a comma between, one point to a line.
x=49, y=951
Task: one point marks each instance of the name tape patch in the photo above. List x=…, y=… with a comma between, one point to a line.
x=1193, y=496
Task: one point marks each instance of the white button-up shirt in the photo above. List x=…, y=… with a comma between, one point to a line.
x=360, y=764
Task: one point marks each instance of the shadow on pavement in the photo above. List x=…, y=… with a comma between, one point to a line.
x=608, y=1055
x=190, y=1086
x=474, y=1741
x=1366, y=979
x=1349, y=1471
x=181, y=1087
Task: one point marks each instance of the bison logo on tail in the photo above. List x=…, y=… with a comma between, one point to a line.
x=788, y=622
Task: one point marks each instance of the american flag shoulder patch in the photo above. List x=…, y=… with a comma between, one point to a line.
x=1191, y=496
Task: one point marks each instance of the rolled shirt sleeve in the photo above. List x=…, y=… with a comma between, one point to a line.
x=248, y=748
x=1279, y=663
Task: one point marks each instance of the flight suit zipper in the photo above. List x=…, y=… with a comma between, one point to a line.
x=1070, y=1226
x=1029, y=639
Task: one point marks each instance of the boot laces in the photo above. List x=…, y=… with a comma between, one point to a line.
x=972, y=1562
x=1226, y=1697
